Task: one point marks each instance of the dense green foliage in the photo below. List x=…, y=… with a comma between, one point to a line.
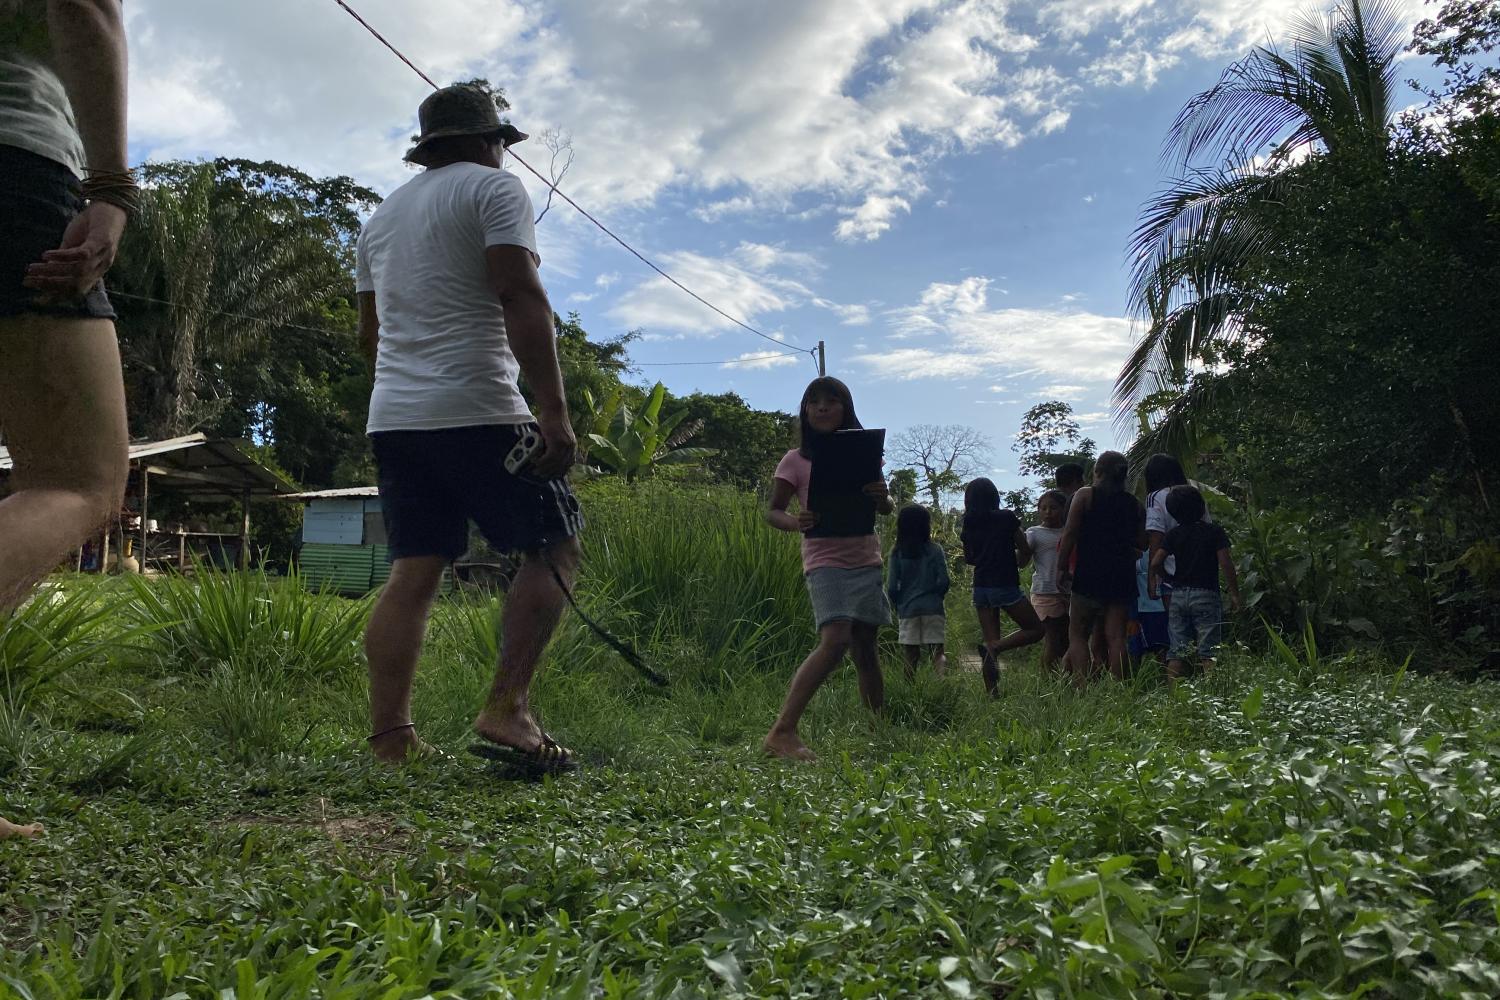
x=1308, y=826
x=1322, y=327
x=634, y=442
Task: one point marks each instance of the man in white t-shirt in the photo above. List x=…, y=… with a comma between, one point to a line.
x=451, y=312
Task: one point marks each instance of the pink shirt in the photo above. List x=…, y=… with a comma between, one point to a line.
x=824, y=553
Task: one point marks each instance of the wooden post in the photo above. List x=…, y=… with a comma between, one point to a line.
x=181, y=551
x=145, y=511
x=104, y=551
x=245, y=530
x=822, y=360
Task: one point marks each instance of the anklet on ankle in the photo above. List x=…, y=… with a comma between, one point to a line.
x=386, y=732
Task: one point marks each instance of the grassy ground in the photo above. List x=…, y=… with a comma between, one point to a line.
x=1260, y=831
x=1289, y=826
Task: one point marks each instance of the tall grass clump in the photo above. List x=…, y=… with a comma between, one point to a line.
x=700, y=568
x=248, y=620
x=56, y=632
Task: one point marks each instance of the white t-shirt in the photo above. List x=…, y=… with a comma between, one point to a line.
x=1158, y=518
x=1043, y=542
x=35, y=113
x=444, y=359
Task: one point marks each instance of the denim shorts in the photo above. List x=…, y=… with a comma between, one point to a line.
x=997, y=597
x=1197, y=622
x=38, y=198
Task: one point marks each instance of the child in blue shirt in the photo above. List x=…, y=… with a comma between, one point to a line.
x=1148, y=631
x=917, y=584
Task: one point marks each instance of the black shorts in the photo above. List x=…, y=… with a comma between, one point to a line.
x=433, y=483
x=38, y=198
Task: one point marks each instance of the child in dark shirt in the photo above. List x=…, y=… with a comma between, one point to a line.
x=1201, y=551
x=995, y=546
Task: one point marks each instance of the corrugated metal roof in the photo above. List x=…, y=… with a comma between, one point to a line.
x=351, y=491
x=194, y=463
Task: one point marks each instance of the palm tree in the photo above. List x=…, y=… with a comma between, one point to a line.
x=1200, y=242
x=205, y=277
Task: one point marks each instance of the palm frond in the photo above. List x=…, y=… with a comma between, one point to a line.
x=1173, y=342
x=1333, y=83
x=1188, y=423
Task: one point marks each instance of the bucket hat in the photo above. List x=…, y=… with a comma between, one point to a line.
x=462, y=109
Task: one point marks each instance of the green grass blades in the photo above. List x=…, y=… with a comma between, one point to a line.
x=64, y=627
x=1305, y=823
x=1251, y=833
x=248, y=621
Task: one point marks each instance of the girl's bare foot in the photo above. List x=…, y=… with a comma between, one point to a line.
x=9, y=829
x=787, y=746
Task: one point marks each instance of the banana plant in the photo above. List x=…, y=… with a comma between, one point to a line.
x=632, y=444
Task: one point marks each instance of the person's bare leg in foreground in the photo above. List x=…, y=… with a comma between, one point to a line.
x=62, y=408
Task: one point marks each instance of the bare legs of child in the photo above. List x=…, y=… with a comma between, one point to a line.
x=913, y=656
x=996, y=642
x=1084, y=619
x=834, y=640
x=1054, y=641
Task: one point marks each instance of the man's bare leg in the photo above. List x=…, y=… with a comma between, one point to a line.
x=533, y=607
x=939, y=659
x=393, y=644
x=783, y=740
x=62, y=406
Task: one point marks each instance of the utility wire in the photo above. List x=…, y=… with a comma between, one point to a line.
x=217, y=312
x=559, y=192
x=735, y=361
x=114, y=294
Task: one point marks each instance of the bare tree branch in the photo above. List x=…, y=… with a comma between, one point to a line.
x=560, y=145
x=946, y=455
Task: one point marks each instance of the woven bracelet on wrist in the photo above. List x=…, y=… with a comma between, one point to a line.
x=117, y=188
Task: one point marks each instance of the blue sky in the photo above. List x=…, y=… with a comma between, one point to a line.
x=941, y=190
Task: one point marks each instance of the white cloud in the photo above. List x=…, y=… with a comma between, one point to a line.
x=973, y=339
x=1066, y=393
x=763, y=360
x=606, y=279
x=1126, y=66
x=1150, y=35
x=843, y=98
x=299, y=82
x=872, y=218
x=713, y=211
x=849, y=315
x=656, y=304
x=748, y=282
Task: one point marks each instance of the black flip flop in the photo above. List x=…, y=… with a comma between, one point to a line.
x=548, y=757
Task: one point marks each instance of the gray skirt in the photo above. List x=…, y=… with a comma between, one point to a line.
x=848, y=595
